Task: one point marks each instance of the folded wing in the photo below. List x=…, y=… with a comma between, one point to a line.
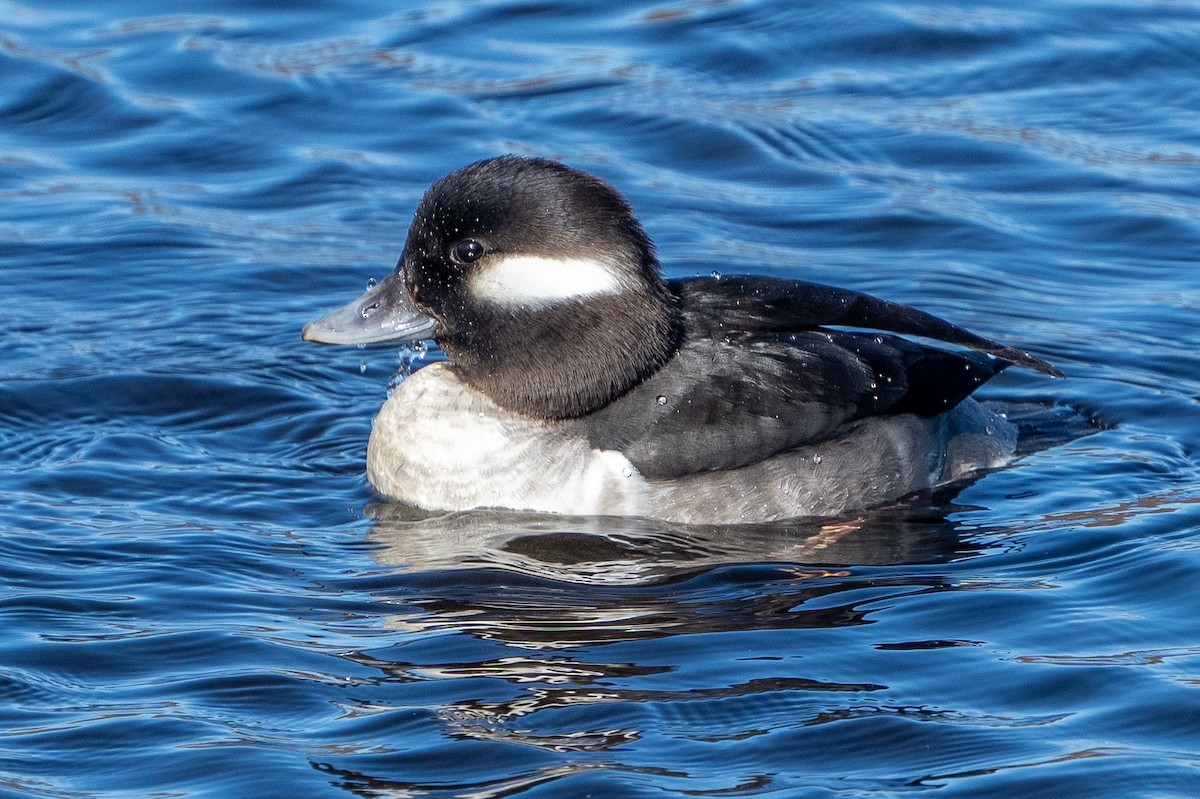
x=757, y=373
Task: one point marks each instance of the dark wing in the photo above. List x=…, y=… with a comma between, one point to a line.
x=755, y=375
x=776, y=305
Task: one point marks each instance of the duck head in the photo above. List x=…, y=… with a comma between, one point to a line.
x=534, y=278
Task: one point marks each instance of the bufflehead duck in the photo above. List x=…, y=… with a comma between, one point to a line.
x=580, y=381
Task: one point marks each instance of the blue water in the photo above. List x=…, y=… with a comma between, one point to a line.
x=200, y=596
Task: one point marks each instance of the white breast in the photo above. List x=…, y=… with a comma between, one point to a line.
x=439, y=444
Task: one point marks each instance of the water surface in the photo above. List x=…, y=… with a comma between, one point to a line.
x=201, y=596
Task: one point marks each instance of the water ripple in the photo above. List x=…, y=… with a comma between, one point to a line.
x=201, y=598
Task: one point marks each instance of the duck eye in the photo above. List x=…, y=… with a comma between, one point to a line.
x=467, y=251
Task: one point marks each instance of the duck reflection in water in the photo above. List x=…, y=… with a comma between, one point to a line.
x=540, y=602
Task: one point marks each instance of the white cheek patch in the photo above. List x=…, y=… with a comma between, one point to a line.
x=526, y=279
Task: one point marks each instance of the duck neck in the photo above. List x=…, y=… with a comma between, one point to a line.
x=568, y=359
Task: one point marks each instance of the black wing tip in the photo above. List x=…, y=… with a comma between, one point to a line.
x=1052, y=371
x=1020, y=358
